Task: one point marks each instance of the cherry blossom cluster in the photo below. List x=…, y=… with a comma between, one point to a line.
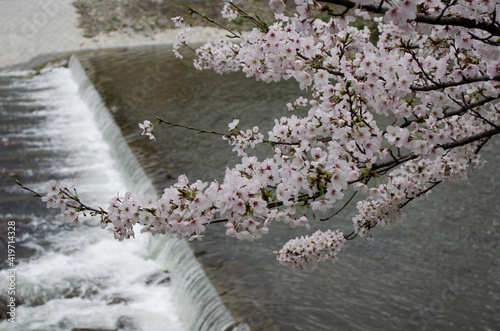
x=241, y=140
x=63, y=196
x=319, y=247
x=399, y=96
x=183, y=210
x=147, y=129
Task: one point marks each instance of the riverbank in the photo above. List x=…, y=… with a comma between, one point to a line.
x=34, y=32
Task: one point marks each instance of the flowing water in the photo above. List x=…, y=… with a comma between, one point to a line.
x=437, y=269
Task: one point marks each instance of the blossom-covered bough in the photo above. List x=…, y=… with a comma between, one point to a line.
x=399, y=96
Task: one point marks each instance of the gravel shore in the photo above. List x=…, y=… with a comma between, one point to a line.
x=147, y=17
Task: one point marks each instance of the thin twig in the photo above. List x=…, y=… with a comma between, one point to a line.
x=81, y=206
x=204, y=16
x=341, y=208
x=227, y=135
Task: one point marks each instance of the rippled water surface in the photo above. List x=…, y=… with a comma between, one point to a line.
x=436, y=269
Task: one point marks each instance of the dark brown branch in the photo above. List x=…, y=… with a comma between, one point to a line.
x=429, y=78
x=350, y=4
x=219, y=220
x=341, y=208
x=350, y=236
x=419, y=194
x=469, y=106
x=335, y=73
x=382, y=167
x=474, y=113
x=492, y=28
x=460, y=21
x=38, y=195
x=486, y=40
x=471, y=139
x=387, y=165
x=458, y=112
x=439, y=86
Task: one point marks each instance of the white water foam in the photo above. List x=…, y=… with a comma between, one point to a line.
x=202, y=308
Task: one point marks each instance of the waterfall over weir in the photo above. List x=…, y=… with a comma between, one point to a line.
x=196, y=298
x=136, y=179
x=56, y=126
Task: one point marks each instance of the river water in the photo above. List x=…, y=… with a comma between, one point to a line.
x=436, y=269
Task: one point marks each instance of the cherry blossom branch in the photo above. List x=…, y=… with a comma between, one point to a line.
x=81, y=207
x=474, y=113
x=223, y=134
x=492, y=28
x=471, y=139
x=319, y=66
x=422, y=70
x=486, y=40
x=458, y=112
x=465, y=80
x=383, y=167
x=464, y=109
x=460, y=21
